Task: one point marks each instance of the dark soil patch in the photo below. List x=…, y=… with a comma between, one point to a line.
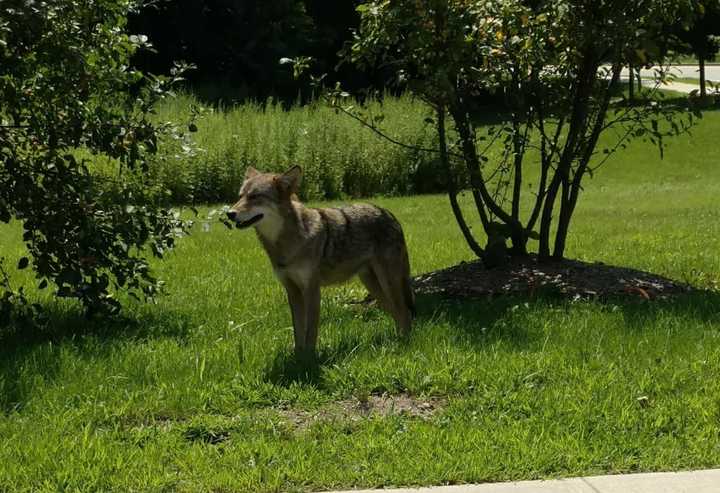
x=388, y=405
x=528, y=276
x=353, y=410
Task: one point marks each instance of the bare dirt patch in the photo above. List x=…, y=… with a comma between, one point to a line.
x=366, y=407
x=387, y=405
x=528, y=276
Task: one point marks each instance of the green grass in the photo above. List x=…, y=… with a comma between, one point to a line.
x=692, y=60
x=710, y=85
x=340, y=157
x=196, y=392
x=688, y=80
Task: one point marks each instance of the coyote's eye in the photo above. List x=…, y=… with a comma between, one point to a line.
x=254, y=196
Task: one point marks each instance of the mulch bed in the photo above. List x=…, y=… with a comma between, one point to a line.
x=526, y=276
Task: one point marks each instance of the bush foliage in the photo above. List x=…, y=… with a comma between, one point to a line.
x=69, y=98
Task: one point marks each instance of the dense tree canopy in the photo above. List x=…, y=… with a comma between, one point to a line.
x=238, y=43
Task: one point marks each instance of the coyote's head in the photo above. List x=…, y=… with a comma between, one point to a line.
x=262, y=195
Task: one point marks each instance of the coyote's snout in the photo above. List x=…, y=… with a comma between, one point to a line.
x=309, y=248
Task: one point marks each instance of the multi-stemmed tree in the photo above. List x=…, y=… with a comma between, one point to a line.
x=554, y=66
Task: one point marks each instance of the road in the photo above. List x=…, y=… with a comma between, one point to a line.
x=712, y=72
x=663, y=482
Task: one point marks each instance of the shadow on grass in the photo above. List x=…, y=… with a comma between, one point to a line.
x=463, y=316
x=69, y=323
x=480, y=323
x=477, y=321
x=475, y=318
x=38, y=349
x=486, y=321
x=286, y=368
x=695, y=306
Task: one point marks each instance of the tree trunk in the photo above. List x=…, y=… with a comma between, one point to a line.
x=563, y=220
x=569, y=201
x=546, y=160
x=576, y=128
x=546, y=218
x=703, y=88
x=631, y=73
x=480, y=192
x=519, y=241
x=452, y=185
x=472, y=163
x=518, y=236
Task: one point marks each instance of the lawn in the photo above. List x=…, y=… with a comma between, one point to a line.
x=692, y=60
x=691, y=81
x=199, y=391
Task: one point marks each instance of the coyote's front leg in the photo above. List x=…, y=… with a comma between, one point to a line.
x=305, y=308
x=297, y=310
x=311, y=298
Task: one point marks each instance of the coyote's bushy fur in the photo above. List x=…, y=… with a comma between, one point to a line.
x=310, y=247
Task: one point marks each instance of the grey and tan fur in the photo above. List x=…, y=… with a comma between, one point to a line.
x=309, y=248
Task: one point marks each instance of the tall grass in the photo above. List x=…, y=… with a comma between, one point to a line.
x=341, y=158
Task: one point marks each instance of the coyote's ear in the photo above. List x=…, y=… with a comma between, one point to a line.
x=250, y=172
x=290, y=180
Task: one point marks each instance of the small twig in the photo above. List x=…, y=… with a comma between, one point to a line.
x=490, y=144
x=613, y=150
x=391, y=139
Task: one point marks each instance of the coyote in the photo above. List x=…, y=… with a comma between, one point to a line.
x=309, y=248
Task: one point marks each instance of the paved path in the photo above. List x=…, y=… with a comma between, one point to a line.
x=675, y=86
x=712, y=72
x=663, y=482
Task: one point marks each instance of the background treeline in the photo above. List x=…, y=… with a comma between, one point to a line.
x=237, y=44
